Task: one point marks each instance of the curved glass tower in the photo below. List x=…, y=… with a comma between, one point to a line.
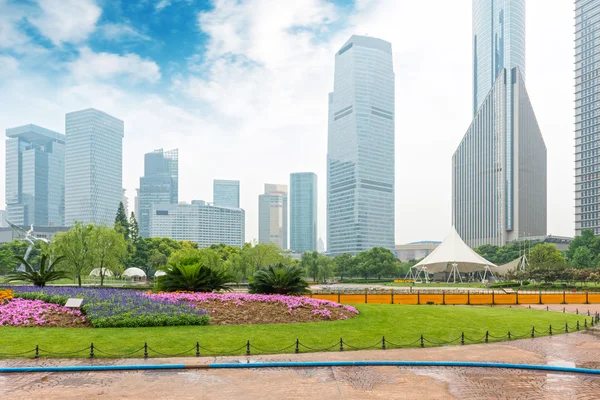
x=360, y=154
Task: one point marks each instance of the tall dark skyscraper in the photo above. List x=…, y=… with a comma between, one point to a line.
x=499, y=168
x=360, y=153
x=587, y=115
x=159, y=185
x=303, y=212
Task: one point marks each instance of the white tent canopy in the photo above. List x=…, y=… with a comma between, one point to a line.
x=514, y=265
x=105, y=272
x=453, y=251
x=133, y=272
x=159, y=273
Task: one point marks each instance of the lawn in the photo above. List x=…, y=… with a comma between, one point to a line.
x=400, y=324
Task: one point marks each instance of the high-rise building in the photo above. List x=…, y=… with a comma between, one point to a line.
x=199, y=222
x=303, y=212
x=35, y=176
x=125, y=201
x=136, y=204
x=226, y=193
x=360, y=154
x=587, y=115
x=93, y=167
x=3, y=223
x=499, y=167
x=321, y=245
x=159, y=185
x=273, y=215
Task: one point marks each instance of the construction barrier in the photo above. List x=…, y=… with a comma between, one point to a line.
x=453, y=298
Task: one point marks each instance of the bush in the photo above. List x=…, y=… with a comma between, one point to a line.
x=193, y=278
x=505, y=284
x=278, y=279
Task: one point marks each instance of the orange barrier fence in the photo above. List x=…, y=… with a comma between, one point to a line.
x=462, y=298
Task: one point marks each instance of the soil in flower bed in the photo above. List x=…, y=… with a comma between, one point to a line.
x=60, y=319
x=227, y=313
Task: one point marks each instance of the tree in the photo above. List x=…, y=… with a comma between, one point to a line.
x=134, y=229
x=156, y=261
x=343, y=265
x=121, y=222
x=310, y=264
x=9, y=251
x=109, y=250
x=545, y=255
x=278, y=279
x=586, y=239
x=193, y=278
x=76, y=245
x=45, y=273
x=377, y=261
x=325, y=268
x=582, y=258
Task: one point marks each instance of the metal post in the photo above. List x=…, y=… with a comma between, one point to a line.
x=197, y=349
x=297, y=346
x=383, y=342
x=533, y=332
x=422, y=341
x=577, y=326
x=508, y=335
x=248, y=348
x=487, y=334
x=341, y=345
x=566, y=327
x=145, y=350
x=92, y=350
x=37, y=351
x=462, y=338
x=550, y=330
x=443, y=297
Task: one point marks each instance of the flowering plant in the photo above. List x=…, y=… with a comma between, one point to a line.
x=5, y=295
x=21, y=312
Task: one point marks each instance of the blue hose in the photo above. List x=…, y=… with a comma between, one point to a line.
x=313, y=364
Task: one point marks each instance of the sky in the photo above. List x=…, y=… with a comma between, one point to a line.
x=240, y=88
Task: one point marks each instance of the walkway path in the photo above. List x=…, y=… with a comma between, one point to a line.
x=581, y=349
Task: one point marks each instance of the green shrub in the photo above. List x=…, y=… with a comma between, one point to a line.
x=193, y=278
x=278, y=279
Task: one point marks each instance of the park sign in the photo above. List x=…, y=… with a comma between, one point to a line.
x=74, y=303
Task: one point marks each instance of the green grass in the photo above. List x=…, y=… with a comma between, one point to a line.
x=441, y=284
x=400, y=324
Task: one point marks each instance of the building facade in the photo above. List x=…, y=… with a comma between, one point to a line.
x=35, y=176
x=587, y=116
x=199, y=222
x=415, y=250
x=360, y=154
x=226, y=193
x=93, y=167
x=159, y=185
x=303, y=212
x=273, y=215
x=499, y=168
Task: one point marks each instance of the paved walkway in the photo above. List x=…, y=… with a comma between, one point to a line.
x=581, y=349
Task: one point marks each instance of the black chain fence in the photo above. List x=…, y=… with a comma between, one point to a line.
x=298, y=347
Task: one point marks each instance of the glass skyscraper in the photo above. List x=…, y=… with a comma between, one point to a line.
x=303, y=212
x=159, y=185
x=587, y=115
x=93, y=167
x=273, y=215
x=35, y=176
x=226, y=193
x=499, y=169
x=360, y=154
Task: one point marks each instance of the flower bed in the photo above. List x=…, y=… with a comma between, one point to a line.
x=119, y=308
x=21, y=312
x=5, y=295
x=241, y=308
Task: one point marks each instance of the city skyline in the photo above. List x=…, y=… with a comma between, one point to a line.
x=248, y=147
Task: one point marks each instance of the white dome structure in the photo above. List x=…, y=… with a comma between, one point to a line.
x=105, y=272
x=133, y=272
x=159, y=273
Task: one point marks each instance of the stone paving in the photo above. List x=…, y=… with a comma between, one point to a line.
x=580, y=349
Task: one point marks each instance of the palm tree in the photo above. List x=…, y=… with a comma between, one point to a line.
x=40, y=276
x=193, y=278
x=278, y=279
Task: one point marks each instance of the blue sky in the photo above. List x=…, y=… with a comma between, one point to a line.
x=240, y=87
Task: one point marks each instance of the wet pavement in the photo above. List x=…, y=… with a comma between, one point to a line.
x=580, y=349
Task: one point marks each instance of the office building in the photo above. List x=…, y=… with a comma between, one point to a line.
x=226, y=193
x=125, y=201
x=199, y=222
x=136, y=204
x=587, y=116
x=3, y=223
x=93, y=167
x=360, y=154
x=415, y=250
x=35, y=176
x=499, y=168
x=159, y=185
x=303, y=212
x=273, y=215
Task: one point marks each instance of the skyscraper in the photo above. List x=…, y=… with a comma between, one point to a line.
x=272, y=215
x=199, y=222
x=360, y=155
x=35, y=176
x=303, y=212
x=226, y=193
x=499, y=167
x=159, y=185
x=587, y=115
x=93, y=167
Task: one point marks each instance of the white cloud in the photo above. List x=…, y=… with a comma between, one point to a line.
x=8, y=66
x=121, y=32
x=67, y=20
x=103, y=66
x=162, y=4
